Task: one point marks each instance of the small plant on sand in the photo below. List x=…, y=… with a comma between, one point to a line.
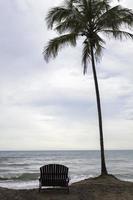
x=89, y=19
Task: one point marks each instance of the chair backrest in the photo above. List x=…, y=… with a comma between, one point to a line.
x=53, y=174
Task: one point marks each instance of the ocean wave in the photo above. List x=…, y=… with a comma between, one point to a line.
x=124, y=176
x=21, y=177
x=18, y=164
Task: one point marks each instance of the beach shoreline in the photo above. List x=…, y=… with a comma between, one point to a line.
x=99, y=188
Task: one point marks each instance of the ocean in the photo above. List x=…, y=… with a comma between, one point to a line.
x=20, y=169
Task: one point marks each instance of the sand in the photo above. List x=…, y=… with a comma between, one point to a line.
x=100, y=188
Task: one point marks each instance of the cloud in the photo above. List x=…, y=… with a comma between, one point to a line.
x=53, y=106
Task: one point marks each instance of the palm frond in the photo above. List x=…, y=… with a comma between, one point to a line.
x=86, y=52
x=108, y=18
x=98, y=47
x=56, y=15
x=69, y=25
x=115, y=17
x=100, y=7
x=125, y=17
x=118, y=34
x=57, y=43
x=69, y=3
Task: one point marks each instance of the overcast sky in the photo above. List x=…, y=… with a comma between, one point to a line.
x=53, y=106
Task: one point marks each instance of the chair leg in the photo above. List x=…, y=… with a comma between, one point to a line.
x=68, y=190
x=39, y=187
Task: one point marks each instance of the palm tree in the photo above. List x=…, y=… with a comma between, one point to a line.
x=89, y=19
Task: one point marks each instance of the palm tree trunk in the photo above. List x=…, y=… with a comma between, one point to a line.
x=103, y=165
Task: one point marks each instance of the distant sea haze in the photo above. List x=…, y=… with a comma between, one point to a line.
x=20, y=169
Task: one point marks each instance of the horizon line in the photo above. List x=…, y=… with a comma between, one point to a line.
x=64, y=150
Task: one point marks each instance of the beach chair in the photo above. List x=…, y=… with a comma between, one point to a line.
x=54, y=175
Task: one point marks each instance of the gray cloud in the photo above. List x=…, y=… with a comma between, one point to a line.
x=46, y=103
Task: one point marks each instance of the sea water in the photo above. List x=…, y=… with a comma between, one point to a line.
x=20, y=169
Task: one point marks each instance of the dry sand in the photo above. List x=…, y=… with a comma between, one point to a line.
x=100, y=188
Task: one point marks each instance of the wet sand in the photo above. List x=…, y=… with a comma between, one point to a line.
x=100, y=188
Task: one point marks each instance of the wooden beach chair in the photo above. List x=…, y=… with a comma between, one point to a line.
x=54, y=175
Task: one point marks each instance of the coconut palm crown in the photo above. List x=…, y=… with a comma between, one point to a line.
x=91, y=20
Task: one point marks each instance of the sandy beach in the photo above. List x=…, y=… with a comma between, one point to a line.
x=100, y=188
